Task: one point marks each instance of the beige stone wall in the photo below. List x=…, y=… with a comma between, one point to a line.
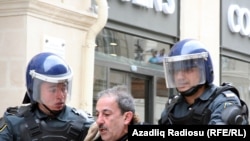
x=12, y=60
x=23, y=27
x=200, y=19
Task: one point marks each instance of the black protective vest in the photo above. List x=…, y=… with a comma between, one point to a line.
x=201, y=114
x=38, y=130
x=196, y=116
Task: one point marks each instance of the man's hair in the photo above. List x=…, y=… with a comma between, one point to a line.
x=122, y=96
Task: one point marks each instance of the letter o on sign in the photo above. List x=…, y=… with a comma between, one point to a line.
x=239, y=20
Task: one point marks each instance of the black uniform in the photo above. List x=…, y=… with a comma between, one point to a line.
x=206, y=110
x=28, y=123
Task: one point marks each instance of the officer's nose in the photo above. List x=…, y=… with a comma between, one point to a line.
x=179, y=74
x=60, y=92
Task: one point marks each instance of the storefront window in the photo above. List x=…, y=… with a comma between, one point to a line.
x=161, y=89
x=100, y=82
x=119, y=52
x=117, y=78
x=238, y=73
x=131, y=49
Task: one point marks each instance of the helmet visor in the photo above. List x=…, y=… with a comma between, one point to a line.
x=46, y=88
x=185, y=70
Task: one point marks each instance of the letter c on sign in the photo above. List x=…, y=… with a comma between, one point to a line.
x=245, y=29
x=168, y=8
x=242, y=23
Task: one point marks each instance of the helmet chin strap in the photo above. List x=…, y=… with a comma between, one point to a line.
x=190, y=91
x=53, y=113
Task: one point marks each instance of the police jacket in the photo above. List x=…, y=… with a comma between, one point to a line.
x=178, y=111
x=28, y=123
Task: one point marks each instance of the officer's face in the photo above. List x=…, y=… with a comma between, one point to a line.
x=187, y=78
x=112, y=123
x=53, y=95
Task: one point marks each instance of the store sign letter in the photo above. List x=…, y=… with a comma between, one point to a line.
x=165, y=7
x=239, y=20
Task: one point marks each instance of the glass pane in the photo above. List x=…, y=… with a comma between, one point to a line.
x=238, y=73
x=130, y=49
x=162, y=94
x=100, y=82
x=161, y=89
x=138, y=88
x=138, y=91
x=117, y=78
x=100, y=79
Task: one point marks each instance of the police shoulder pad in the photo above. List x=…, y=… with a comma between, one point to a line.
x=12, y=110
x=229, y=93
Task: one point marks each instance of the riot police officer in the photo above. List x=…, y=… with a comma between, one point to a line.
x=188, y=68
x=45, y=115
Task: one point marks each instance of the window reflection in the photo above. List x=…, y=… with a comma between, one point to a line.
x=238, y=73
x=117, y=78
x=138, y=87
x=139, y=51
x=100, y=79
x=161, y=89
x=131, y=47
x=100, y=83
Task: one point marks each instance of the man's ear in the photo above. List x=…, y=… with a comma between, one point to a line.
x=128, y=116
